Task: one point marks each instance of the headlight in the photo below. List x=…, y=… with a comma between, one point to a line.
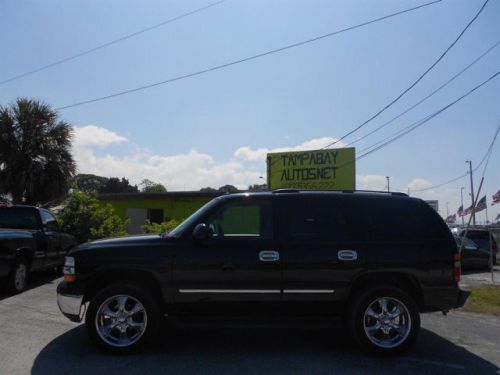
x=69, y=269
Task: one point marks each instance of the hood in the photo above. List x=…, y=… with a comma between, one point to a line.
x=6, y=233
x=119, y=242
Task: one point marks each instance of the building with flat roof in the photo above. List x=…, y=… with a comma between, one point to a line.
x=156, y=207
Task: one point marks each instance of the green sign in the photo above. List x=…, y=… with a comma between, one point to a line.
x=317, y=169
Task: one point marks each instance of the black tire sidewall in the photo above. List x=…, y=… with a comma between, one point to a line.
x=356, y=315
x=142, y=295
x=11, y=279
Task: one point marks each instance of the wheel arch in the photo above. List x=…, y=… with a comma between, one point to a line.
x=107, y=277
x=404, y=281
x=26, y=252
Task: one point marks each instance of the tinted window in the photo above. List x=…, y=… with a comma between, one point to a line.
x=18, y=218
x=49, y=222
x=317, y=219
x=389, y=218
x=242, y=219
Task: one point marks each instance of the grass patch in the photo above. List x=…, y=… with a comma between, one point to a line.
x=484, y=299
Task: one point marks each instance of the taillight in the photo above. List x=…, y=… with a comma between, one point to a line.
x=457, y=267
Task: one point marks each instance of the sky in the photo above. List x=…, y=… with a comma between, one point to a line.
x=215, y=129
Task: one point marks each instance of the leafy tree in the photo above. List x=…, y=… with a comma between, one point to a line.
x=152, y=187
x=115, y=185
x=228, y=189
x=208, y=189
x=256, y=187
x=36, y=164
x=156, y=228
x=88, y=219
x=89, y=183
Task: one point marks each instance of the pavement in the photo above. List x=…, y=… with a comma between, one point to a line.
x=36, y=339
x=481, y=277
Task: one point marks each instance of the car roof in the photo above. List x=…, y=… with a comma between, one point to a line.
x=298, y=193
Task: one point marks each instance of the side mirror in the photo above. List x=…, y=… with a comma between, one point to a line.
x=200, y=233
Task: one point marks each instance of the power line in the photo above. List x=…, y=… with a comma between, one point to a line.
x=388, y=140
x=486, y=155
x=253, y=57
x=428, y=96
x=114, y=41
x=414, y=83
x=428, y=118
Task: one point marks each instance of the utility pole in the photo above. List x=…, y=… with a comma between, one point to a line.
x=388, y=187
x=447, y=209
x=472, y=192
x=408, y=191
x=462, y=200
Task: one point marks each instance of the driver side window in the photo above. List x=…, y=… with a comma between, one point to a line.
x=242, y=220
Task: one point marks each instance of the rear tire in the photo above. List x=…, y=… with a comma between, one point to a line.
x=122, y=318
x=18, y=276
x=384, y=321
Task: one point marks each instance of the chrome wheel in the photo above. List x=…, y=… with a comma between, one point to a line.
x=387, y=322
x=20, y=276
x=121, y=320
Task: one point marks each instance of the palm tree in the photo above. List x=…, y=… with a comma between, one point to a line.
x=36, y=164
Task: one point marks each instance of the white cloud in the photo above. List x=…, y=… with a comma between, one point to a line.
x=247, y=153
x=187, y=171
x=419, y=183
x=371, y=182
x=91, y=135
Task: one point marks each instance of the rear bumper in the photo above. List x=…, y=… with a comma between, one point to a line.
x=463, y=295
x=444, y=298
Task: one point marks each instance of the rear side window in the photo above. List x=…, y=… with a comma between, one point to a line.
x=316, y=219
x=18, y=218
x=391, y=219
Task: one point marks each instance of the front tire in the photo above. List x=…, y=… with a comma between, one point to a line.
x=122, y=318
x=384, y=321
x=18, y=276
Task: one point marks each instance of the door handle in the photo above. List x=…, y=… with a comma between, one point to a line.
x=269, y=256
x=347, y=255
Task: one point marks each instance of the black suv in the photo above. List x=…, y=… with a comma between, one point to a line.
x=368, y=261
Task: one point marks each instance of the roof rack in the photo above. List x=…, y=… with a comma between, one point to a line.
x=279, y=191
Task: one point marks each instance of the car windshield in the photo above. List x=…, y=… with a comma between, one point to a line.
x=17, y=218
x=178, y=230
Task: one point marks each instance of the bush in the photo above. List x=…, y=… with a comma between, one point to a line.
x=89, y=220
x=156, y=228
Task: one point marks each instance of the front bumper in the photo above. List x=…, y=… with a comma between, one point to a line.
x=70, y=304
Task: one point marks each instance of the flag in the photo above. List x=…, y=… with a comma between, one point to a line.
x=481, y=205
x=468, y=210
x=451, y=219
x=496, y=198
x=460, y=211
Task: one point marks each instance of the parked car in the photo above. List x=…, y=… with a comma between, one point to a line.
x=369, y=261
x=481, y=238
x=473, y=256
x=30, y=240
